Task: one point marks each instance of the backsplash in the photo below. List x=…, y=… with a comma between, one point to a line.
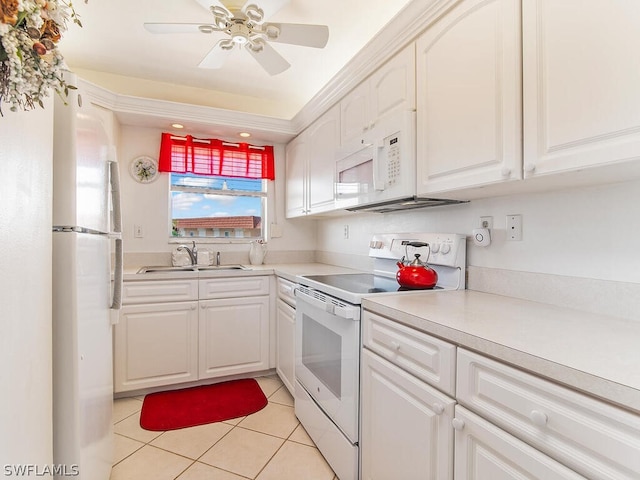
x=618, y=299
x=139, y=259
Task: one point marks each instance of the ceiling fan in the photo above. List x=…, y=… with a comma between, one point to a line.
x=246, y=27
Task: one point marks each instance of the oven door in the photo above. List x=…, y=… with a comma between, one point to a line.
x=327, y=356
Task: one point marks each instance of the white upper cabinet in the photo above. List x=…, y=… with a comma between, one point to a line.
x=469, y=97
x=581, y=84
x=324, y=141
x=310, y=167
x=296, y=175
x=390, y=88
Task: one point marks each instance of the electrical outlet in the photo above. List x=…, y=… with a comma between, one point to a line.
x=137, y=231
x=514, y=228
x=486, y=222
x=346, y=232
x=276, y=230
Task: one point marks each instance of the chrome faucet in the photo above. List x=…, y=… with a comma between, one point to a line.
x=193, y=252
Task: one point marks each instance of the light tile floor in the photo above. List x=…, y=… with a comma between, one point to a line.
x=267, y=445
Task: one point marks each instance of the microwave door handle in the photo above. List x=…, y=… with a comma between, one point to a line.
x=378, y=182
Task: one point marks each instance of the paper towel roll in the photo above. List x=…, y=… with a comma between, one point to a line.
x=204, y=257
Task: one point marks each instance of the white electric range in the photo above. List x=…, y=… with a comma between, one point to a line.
x=327, y=366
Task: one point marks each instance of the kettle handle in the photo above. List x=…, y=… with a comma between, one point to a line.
x=417, y=244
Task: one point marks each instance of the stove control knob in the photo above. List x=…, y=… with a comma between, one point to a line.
x=435, y=248
x=445, y=248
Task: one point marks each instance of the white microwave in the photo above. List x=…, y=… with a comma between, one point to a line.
x=380, y=165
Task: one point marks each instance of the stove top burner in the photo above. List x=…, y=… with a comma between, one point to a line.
x=361, y=283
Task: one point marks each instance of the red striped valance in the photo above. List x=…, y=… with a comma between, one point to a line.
x=215, y=157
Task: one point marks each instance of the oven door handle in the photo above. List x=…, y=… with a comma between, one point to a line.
x=349, y=312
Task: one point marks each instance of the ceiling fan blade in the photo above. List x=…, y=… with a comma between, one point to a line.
x=217, y=55
x=179, y=27
x=270, y=60
x=299, y=34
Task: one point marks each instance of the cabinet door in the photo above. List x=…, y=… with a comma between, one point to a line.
x=469, y=97
x=581, y=77
x=324, y=140
x=393, y=86
x=233, y=336
x=483, y=451
x=296, y=177
x=286, y=334
x=354, y=113
x=155, y=345
x=406, y=425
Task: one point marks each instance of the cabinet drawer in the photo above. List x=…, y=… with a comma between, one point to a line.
x=593, y=438
x=285, y=291
x=230, y=287
x=484, y=452
x=159, y=291
x=422, y=355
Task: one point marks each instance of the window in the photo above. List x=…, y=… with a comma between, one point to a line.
x=218, y=189
x=217, y=207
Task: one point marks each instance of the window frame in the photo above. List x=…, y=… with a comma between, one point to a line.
x=263, y=194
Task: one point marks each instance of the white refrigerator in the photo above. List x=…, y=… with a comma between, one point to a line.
x=85, y=208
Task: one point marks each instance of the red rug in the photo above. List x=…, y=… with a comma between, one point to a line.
x=199, y=405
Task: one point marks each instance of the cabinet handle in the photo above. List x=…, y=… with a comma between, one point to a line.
x=538, y=418
x=457, y=424
x=438, y=408
x=506, y=172
x=529, y=167
x=396, y=346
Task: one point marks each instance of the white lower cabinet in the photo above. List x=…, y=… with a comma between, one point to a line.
x=406, y=425
x=591, y=437
x=156, y=344
x=233, y=336
x=162, y=339
x=485, y=452
x=286, y=335
x=509, y=424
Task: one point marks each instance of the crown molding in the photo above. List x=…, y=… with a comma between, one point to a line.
x=149, y=112
x=408, y=24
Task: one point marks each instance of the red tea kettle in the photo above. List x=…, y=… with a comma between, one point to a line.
x=417, y=274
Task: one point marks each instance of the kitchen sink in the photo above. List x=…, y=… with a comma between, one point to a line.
x=190, y=268
x=224, y=267
x=161, y=269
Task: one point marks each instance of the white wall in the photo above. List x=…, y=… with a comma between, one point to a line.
x=147, y=205
x=585, y=232
x=26, y=145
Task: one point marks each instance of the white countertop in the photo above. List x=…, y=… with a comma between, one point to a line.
x=285, y=270
x=596, y=354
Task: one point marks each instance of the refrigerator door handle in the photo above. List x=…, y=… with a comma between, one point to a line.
x=117, y=227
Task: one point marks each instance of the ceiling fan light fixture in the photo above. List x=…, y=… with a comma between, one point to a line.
x=240, y=33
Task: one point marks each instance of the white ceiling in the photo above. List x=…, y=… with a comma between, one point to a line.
x=114, y=51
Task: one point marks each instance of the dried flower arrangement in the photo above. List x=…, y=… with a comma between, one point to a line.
x=30, y=62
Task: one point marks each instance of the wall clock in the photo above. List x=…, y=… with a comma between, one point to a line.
x=144, y=169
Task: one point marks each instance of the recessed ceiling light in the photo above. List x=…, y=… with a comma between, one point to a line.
x=177, y=125
x=245, y=134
